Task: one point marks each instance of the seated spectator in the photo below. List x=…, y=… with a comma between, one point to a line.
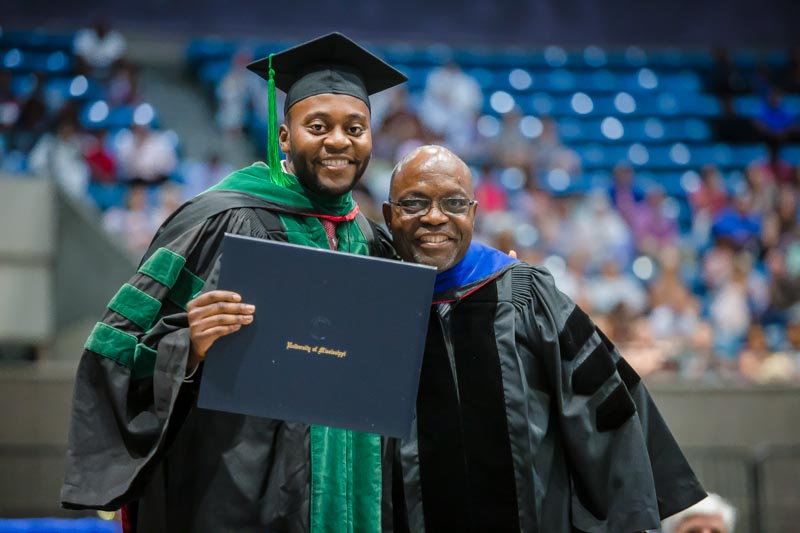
x=711, y=515
x=123, y=85
x=170, y=198
x=706, y=202
x=775, y=122
x=200, y=175
x=511, y=147
x=59, y=156
x=793, y=336
x=572, y=280
x=730, y=311
x=32, y=122
x=102, y=161
x=727, y=80
x=754, y=352
x=549, y=153
x=134, y=224
x=234, y=96
x=624, y=193
x=710, y=196
x=675, y=310
x=599, y=231
x=642, y=350
x=549, y=215
x=738, y=223
x=490, y=194
x=717, y=262
x=451, y=102
x=783, y=286
x=781, y=226
x=9, y=104
x=147, y=156
x=98, y=48
x=775, y=170
x=761, y=188
x=653, y=228
x=612, y=288
x=400, y=126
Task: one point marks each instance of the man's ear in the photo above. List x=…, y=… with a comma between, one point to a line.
x=387, y=215
x=284, y=138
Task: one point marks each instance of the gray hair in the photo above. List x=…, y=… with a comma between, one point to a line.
x=713, y=505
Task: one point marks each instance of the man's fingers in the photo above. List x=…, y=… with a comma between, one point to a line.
x=512, y=254
x=204, y=340
x=213, y=297
x=197, y=314
x=208, y=323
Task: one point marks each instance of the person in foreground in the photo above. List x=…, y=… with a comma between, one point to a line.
x=528, y=419
x=711, y=515
x=136, y=439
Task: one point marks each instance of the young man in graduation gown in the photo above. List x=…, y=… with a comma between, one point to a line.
x=528, y=419
x=136, y=439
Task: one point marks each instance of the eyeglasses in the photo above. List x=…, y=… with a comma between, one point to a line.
x=421, y=206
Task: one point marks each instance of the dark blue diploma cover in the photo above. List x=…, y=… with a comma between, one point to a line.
x=337, y=339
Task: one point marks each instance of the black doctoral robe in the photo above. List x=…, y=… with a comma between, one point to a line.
x=528, y=419
x=136, y=437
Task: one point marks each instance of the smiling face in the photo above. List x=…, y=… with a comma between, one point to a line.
x=328, y=142
x=436, y=238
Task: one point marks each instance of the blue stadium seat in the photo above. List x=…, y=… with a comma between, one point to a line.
x=23, y=84
x=211, y=72
x=77, y=88
x=559, y=80
x=201, y=50
x=476, y=57
x=597, y=156
x=676, y=156
x=699, y=105
x=748, y=105
x=109, y=195
x=791, y=153
x=538, y=104
x=37, y=40
x=511, y=58
x=681, y=82
x=488, y=80
x=673, y=58
x=18, y=60
x=432, y=55
x=417, y=76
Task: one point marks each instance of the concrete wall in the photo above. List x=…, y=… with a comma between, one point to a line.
x=88, y=269
x=27, y=249
x=58, y=268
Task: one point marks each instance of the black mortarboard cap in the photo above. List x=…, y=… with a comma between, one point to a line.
x=331, y=64
x=328, y=64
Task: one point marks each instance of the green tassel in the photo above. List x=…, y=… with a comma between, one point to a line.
x=273, y=157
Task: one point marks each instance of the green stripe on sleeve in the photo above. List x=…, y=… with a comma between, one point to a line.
x=186, y=287
x=135, y=305
x=112, y=343
x=164, y=266
x=144, y=361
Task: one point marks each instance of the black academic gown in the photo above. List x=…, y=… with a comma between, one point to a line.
x=143, y=443
x=529, y=420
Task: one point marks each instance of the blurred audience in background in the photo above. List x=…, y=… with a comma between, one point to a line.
x=98, y=49
x=697, y=280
